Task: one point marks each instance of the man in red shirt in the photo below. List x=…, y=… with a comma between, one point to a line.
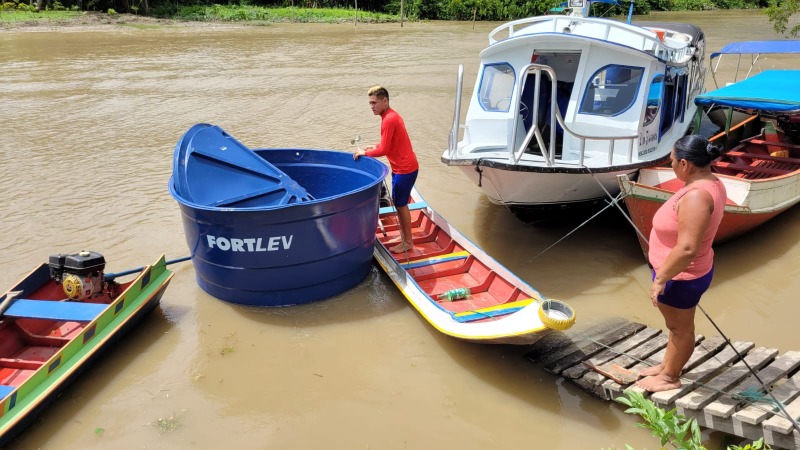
x=396, y=146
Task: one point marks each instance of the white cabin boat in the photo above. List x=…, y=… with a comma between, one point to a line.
x=620, y=94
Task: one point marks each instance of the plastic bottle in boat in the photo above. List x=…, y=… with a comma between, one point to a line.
x=455, y=294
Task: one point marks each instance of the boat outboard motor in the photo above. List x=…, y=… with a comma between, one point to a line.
x=80, y=274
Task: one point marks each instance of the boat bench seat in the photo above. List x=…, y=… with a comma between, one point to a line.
x=776, y=144
x=751, y=172
x=5, y=390
x=781, y=159
x=436, y=260
x=411, y=207
x=24, y=364
x=55, y=310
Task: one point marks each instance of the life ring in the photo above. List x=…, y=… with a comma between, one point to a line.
x=556, y=314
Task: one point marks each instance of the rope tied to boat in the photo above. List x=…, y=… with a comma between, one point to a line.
x=480, y=172
x=768, y=391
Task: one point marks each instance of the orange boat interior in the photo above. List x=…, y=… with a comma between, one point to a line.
x=438, y=264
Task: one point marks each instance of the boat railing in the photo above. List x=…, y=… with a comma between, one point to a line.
x=548, y=151
x=452, y=138
x=639, y=38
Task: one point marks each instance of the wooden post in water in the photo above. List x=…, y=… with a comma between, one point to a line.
x=355, y=19
x=401, y=13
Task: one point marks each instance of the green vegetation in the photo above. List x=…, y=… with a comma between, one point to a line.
x=780, y=12
x=169, y=424
x=671, y=428
x=368, y=10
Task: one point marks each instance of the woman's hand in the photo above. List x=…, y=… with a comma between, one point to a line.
x=656, y=289
x=359, y=153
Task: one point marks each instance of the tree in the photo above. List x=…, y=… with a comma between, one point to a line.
x=779, y=13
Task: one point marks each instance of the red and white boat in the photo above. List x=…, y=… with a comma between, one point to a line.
x=761, y=171
x=500, y=308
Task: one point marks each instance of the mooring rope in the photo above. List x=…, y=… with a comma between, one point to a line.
x=787, y=416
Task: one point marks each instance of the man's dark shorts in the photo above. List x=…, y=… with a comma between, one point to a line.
x=401, y=187
x=685, y=294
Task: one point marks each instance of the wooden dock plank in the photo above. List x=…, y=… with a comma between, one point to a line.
x=777, y=369
x=707, y=393
x=760, y=411
x=555, y=346
x=710, y=365
x=594, y=347
x=748, y=421
x=578, y=370
x=656, y=358
x=599, y=383
x=781, y=424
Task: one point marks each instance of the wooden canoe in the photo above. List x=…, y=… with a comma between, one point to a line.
x=761, y=175
x=46, y=341
x=501, y=307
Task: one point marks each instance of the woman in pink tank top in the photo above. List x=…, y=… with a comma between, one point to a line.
x=681, y=254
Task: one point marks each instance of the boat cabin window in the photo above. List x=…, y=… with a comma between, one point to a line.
x=611, y=90
x=654, y=99
x=497, y=84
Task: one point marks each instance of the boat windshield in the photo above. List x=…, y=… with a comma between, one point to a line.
x=497, y=84
x=611, y=90
x=654, y=99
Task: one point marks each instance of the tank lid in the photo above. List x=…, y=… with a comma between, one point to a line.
x=211, y=168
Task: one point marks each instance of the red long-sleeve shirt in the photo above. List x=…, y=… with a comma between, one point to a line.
x=395, y=144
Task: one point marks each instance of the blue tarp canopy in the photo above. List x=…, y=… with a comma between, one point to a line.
x=776, y=91
x=757, y=47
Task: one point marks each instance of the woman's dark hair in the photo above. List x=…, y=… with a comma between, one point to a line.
x=697, y=150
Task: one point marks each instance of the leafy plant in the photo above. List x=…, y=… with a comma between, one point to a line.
x=671, y=428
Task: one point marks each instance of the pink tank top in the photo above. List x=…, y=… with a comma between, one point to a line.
x=664, y=235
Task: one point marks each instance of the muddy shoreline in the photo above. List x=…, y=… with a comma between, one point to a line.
x=90, y=21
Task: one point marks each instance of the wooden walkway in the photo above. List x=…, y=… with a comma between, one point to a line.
x=718, y=390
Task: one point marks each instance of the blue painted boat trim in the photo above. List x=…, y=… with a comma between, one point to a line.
x=432, y=261
x=5, y=390
x=55, y=310
x=482, y=315
x=411, y=207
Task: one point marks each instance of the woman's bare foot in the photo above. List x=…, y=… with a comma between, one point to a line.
x=401, y=248
x=658, y=383
x=650, y=371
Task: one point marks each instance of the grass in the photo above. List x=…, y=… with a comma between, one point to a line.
x=216, y=13
x=28, y=16
x=235, y=13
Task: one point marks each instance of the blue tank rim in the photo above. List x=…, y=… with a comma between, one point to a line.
x=381, y=165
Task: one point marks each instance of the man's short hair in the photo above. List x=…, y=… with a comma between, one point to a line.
x=378, y=91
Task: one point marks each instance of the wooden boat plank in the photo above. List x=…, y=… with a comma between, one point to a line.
x=776, y=144
x=710, y=360
x=457, y=256
x=745, y=167
x=55, y=310
x=777, y=369
x=594, y=347
x=555, y=346
x=758, y=412
x=607, y=355
x=707, y=393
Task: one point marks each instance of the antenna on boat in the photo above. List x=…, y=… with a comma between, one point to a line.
x=630, y=12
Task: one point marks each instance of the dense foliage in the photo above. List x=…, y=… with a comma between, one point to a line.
x=412, y=9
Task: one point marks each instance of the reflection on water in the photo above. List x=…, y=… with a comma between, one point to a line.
x=91, y=119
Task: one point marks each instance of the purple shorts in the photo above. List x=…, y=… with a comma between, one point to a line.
x=685, y=294
x=401, y=187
